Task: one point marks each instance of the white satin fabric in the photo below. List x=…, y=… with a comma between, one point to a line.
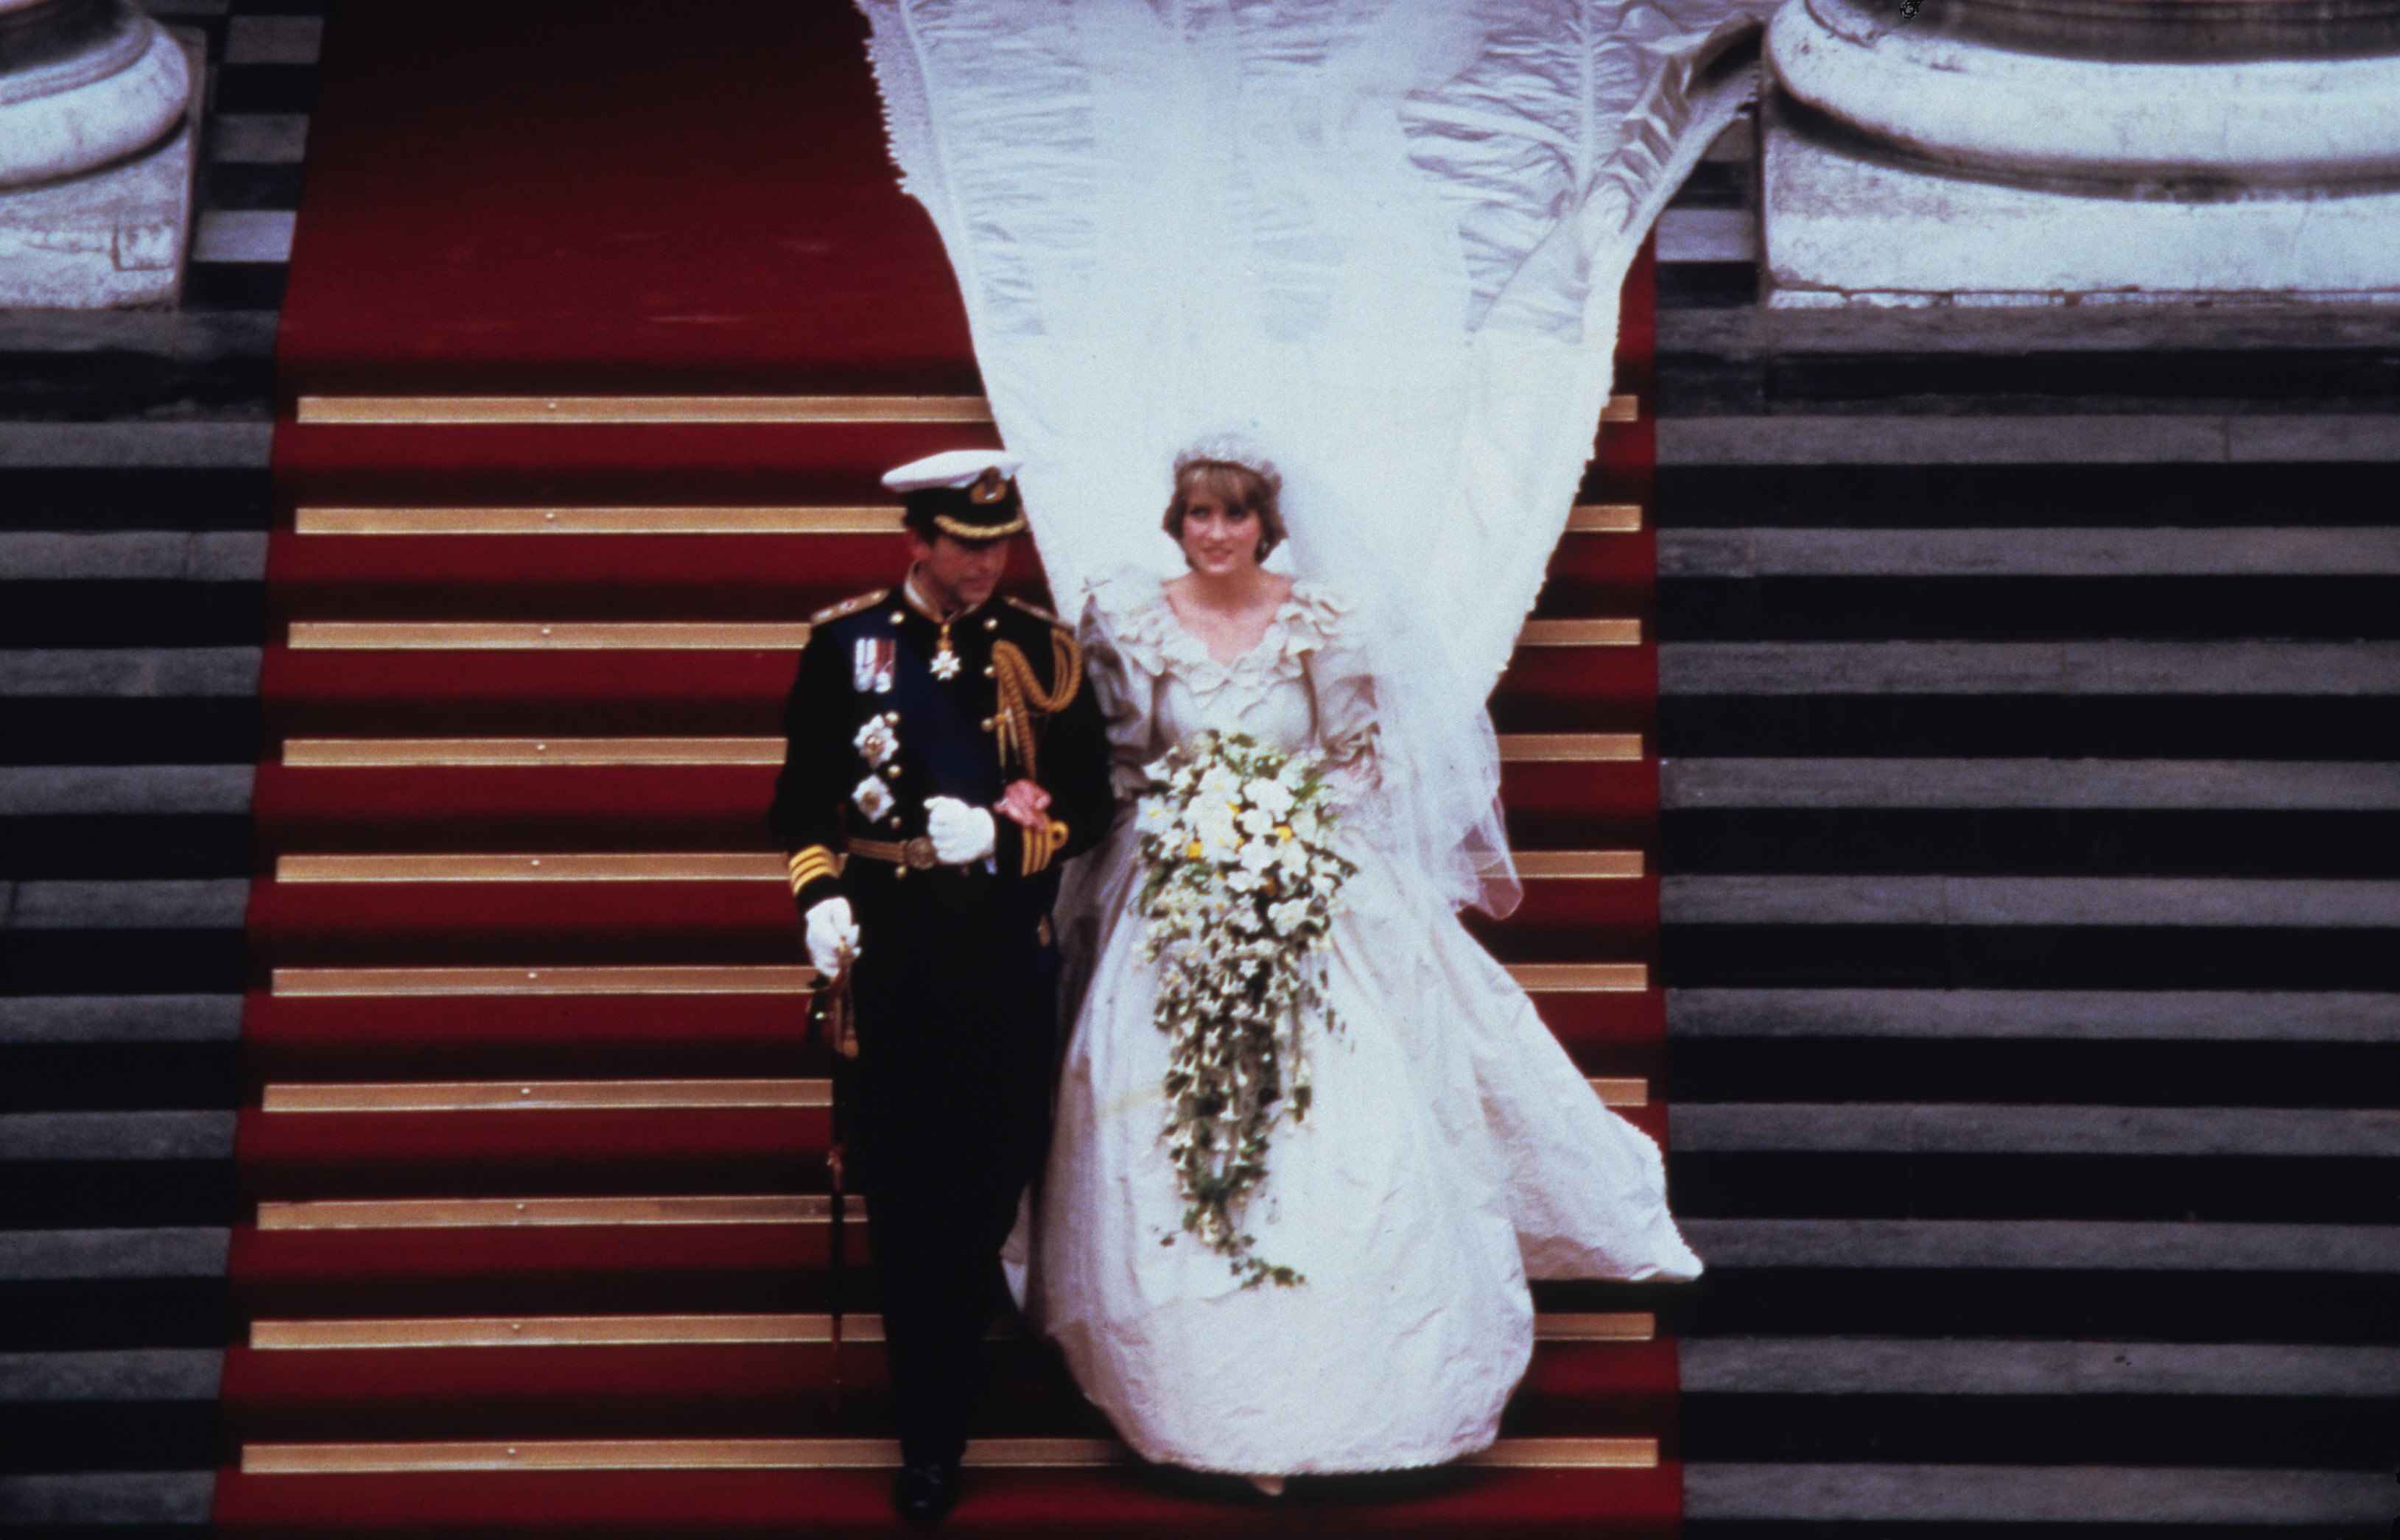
x=1452, y=1149
x=1382, y=239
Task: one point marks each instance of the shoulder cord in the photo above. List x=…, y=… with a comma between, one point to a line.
x=1021, y=695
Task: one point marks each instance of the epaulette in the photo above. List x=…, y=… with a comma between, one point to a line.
x=849, y=606
x=1037, y=611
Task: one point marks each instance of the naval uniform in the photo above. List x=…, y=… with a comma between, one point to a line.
x=955, y=983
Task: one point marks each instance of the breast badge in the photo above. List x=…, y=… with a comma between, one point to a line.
x=874, y=798
x=879, y=740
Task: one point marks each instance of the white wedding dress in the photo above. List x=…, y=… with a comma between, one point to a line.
x=1452, y=1149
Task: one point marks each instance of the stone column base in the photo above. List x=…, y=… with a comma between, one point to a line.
x=1843, y=226
x=110, y=238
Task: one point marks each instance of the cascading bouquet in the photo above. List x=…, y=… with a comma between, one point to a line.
x=1241, y=887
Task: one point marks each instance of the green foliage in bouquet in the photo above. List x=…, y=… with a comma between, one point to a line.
x=1239, y=891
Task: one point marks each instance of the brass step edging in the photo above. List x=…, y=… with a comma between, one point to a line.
x=727, y=979
x=846, y=519
x=633, y=410
x=529, y=1213
x=300, y=983
x=1559, y=748
x=630, y=411
x=1604, y=633
x=552, y=635
x=813, y=519
x=506, y=1331
x=695, y=867
x=1562, y=865
x=721, y=635
x=547, y=1095
x=737, y=866
x=569, y=1332
x=377, y=753
x=825, y=1455
x=1539, y=978
x=1604, y=519
x=585, y=1096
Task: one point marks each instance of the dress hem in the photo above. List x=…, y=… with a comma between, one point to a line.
x=1426, y=1460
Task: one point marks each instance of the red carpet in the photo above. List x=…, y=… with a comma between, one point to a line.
x=587, y=200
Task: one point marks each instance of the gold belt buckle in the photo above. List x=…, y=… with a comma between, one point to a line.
x=919, y=854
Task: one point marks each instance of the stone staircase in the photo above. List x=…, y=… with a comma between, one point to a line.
x=2030, y=914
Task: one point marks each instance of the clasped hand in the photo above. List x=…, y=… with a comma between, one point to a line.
x=960, y=834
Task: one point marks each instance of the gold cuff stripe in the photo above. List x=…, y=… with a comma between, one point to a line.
x=1043, y=848
x=965, y=531
x=808, y=864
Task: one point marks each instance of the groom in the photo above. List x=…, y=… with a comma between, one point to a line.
x=943, y=758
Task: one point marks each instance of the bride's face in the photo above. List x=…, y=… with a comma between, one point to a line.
x=1220, y=540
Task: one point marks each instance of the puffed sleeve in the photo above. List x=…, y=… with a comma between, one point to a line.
x=1342, y=688
x=1122, y=659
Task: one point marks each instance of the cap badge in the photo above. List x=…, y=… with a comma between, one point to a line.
x=990, y=487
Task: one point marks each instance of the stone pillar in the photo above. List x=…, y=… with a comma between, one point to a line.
x=97, y=135
x=2030, y=151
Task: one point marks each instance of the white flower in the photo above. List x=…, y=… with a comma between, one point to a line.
x=1288, y=914
x=1255, y=822
x=1155, y=817
x=1214, y=827
x=1292, y=858
x=1259, y=855
x=1219, y=785
x=1273, y=798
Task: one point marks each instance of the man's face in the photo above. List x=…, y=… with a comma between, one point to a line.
x=959, y=574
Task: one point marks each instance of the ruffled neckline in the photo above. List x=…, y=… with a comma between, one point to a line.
x=1146, y=631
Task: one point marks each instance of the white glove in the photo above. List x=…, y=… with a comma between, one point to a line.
x=833, y=935
x=960, y=833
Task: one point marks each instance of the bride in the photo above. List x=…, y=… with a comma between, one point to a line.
x=1450, y=1147
x=1385, y=238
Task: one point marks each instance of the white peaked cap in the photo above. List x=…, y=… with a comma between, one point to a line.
x=951, y=467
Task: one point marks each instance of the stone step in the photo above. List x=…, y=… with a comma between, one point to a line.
x=2046, y=1245
x=2108, y=668
x=2050, y=901
x=148, y=556
x=109, y=1019
x=121, y=1501
x=2065, y=1128
x=2033, y=438
x=2120, y=785
x=1950, y=1015
x=125, y=791
x=2069, y=490
x=130, y=673
x=2254, y=553
x=1899, y=1365
x=2281, y=1501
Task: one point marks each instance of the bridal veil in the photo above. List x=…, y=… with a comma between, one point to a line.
x=1380, y=240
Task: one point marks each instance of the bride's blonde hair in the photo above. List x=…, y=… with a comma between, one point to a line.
x=1230, y=471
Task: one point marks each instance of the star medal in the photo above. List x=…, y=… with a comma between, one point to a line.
x=874, y=798
x=879, y=741
x=946, y=663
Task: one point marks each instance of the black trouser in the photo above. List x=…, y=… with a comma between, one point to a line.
x=957, y=1006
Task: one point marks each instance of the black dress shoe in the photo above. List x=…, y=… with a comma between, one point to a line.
x=924, y=1491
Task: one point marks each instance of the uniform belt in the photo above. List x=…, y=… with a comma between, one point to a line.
x=915, y=854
